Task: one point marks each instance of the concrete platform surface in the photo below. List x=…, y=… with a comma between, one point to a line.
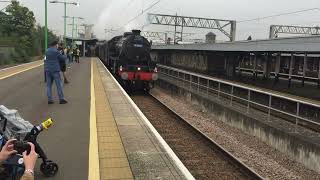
x=7, y=72
x=97, y=135
x=146, y=157
x=66, y=142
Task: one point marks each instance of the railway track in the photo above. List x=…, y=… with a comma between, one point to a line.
x=204, y=158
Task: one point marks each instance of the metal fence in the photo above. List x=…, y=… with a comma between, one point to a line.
x=269, y=104
x=274, y=73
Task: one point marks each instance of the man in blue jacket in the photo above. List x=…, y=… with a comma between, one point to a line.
x=52, y=69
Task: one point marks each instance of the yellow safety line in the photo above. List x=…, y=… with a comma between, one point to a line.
x=32, y=67
x=94, y=169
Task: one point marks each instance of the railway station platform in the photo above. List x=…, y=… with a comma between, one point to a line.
x=126, y=141
x=99, y=134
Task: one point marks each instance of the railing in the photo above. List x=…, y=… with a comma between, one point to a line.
x=298, y=110
x=273, y=73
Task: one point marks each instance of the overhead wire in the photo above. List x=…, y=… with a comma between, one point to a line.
x=310, y=22
x=141, y=13
x=4, y=7
x=277, y=15
x=241, y=21
x=127, y=6
x=273, y=16
x=124, y=9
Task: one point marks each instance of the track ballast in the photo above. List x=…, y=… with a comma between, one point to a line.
x=204, y=158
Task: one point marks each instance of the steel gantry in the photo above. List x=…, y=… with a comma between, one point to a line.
x=227, y=27
x=275, y=30
x=161, y=36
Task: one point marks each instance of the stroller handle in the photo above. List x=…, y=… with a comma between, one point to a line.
x=46, y=124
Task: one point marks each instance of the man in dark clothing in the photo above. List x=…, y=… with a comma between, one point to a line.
x=63, y=64
x=52, y=69
x=76, y=53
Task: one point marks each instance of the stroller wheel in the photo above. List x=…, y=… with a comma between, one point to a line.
x=49, y=168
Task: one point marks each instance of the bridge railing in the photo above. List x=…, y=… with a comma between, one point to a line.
x=251, y=100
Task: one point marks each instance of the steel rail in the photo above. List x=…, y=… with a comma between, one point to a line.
x=246, y=169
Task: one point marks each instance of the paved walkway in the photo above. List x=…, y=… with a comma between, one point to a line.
x=99, y=134
x=67, y=141
x=7, y=72
x=127, y=134
x=112, y=157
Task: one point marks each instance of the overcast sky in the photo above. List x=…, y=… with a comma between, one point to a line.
x=116, y=13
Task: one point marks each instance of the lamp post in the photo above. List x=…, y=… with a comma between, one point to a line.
x=45, y=34
x=46, y=27
x=65, y=15
x=76, y=29
x=73, y=18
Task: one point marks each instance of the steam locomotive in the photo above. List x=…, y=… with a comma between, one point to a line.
x=128, y=58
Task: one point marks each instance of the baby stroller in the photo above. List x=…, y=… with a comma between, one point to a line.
x=13, y=126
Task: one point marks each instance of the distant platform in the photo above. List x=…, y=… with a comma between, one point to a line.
x=303, y=44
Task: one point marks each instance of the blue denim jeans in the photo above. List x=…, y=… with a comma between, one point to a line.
x=54, y=76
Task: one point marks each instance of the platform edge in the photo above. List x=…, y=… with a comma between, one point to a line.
x=166, y=147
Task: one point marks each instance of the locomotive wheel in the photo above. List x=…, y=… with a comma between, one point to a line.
x=49, y=168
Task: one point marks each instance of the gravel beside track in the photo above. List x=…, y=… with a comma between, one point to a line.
x=197, y=153
x=264, y=159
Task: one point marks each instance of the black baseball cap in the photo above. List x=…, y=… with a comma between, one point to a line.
x=53, y=43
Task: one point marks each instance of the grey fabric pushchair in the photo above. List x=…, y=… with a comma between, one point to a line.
x=13, y=126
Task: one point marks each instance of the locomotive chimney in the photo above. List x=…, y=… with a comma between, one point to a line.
x=136, y=32
x=210, y=37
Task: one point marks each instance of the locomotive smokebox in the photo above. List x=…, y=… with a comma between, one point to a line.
x=136, y=32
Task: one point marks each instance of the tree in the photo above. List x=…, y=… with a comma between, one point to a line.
x=22, y=20
x=22, y=23
x=3, y=22
x=39, y=38
x=18, y=29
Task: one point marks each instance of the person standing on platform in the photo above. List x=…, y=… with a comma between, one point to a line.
x=76, y=54
x=69, y=56
x=72, y=54
x=52, y=69
x=63, y=64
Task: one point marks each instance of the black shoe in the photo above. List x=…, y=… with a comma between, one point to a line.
x=50, y=102
x=63, y=101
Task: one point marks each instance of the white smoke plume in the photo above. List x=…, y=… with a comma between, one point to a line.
x=116, y=16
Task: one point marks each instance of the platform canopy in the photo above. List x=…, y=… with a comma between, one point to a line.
x=86, y=45
x=308, y=44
